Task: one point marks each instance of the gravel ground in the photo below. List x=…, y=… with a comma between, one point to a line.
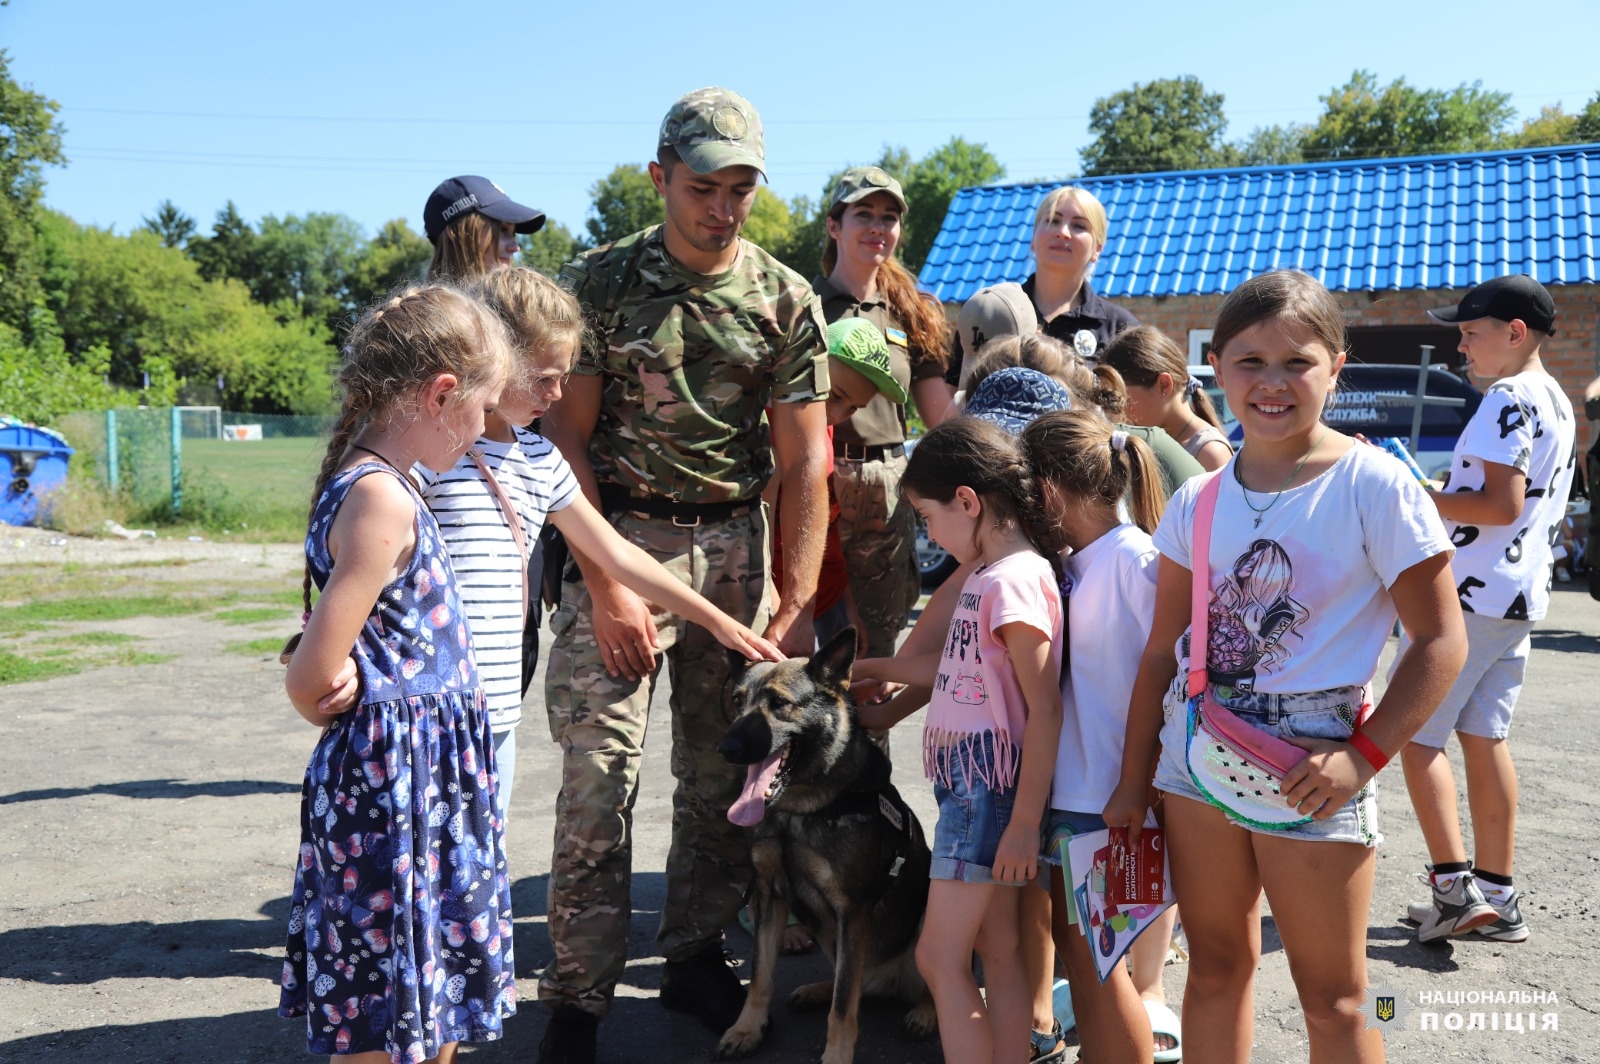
x=149, y=829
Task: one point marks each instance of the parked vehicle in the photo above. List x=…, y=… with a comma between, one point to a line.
x=1378, y=400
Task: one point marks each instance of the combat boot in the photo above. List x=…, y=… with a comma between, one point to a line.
x=704, y=986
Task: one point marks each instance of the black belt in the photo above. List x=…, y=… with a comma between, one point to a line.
x=868, y=452
x=683, y=514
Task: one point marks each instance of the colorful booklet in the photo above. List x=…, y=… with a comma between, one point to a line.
x=1110, y=928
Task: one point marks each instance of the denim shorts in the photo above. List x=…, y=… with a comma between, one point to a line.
x=972, y=817
x=1331, y=714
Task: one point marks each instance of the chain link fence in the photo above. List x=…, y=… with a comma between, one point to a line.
x=200, y=464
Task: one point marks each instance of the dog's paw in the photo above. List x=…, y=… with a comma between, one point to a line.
x=740, y=1040
x=812, y=996
x=922, y=1021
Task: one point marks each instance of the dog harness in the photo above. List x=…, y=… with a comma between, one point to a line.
x=881, y=801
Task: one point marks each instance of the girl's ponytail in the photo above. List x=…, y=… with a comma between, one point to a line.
x=1147, y=496
x=1108, y=391
x=1080, y=453
x=1201, y=403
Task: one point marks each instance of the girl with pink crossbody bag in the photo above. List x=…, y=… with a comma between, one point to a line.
x=1280, y=579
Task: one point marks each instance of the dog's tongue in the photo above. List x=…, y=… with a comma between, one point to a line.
x=751, y=805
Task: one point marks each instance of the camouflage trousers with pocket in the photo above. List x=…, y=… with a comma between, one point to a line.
x=600, y=720
x=878, y=531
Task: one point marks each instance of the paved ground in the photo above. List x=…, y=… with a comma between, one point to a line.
x=147, y=826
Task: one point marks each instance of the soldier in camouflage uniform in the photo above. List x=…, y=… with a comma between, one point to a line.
x=695, y=333
x=877, y=528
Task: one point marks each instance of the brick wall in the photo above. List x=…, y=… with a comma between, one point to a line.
x=1573, y=357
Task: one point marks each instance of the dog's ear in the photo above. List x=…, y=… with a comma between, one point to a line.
x=830, y=666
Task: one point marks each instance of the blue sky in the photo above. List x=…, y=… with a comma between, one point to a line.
x=360, y=107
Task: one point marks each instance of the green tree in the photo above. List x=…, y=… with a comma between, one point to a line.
x=1363, y=120
x=1551, y=125
x=130, y=305
x=1166, y=124
x=931, y=183
x=30, y=140
x=770, y=223
x=170, y=224
x=551, y=248
x=624, y=201
x=1269, y=146
x=396, y=255
x=40, y=382
x=301, y=264
x=230, y=249
x=1588, y=129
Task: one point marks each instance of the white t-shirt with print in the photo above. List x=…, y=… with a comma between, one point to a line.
x=1300, y=603
x=1110, y=608
x=1525, y=422
x=483, y=553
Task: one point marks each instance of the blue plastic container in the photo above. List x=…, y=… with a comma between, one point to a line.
x=33, y=465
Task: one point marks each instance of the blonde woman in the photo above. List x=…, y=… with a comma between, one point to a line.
x=1069, y=232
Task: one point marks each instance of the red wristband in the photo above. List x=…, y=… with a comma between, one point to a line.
x=1369, y=750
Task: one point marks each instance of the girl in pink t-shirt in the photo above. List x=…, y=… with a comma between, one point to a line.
x=993, y=723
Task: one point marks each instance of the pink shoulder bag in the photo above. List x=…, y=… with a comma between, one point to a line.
x=1237, y=767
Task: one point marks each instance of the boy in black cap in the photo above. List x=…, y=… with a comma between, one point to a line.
x=1504, y=503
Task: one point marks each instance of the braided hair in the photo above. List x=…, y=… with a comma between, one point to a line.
x=397, y=347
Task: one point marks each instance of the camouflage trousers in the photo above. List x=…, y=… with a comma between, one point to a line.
x=600, y=723
x=878, y=531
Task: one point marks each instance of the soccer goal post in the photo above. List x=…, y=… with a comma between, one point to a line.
x=200, y=422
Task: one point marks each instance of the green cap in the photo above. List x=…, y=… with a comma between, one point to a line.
x=859, y=182
x=712, y=128
x=860, y=345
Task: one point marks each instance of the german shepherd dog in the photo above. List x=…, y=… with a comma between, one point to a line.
x=831, y=840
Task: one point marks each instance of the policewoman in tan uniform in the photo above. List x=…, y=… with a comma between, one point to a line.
x=862, y=278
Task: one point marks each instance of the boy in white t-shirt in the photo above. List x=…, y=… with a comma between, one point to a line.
x=1504, y=504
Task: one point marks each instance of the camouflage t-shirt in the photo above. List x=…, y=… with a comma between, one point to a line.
x=690, y=363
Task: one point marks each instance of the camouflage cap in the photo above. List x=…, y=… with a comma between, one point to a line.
x=859, y=182
x=860, y=345
x=712, y=128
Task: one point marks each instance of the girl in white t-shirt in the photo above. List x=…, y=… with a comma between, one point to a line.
x=1316, y=542
x=1109, y=591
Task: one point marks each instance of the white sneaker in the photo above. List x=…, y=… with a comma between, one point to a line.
x=1453, y=912
x=1509, y=926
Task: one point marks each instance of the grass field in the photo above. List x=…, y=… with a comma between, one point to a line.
x=257, y=490
x=278, y=470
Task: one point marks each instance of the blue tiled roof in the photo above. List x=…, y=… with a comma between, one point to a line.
x=1440, y=221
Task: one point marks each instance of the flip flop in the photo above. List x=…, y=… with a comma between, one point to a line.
x=1163, y=1021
